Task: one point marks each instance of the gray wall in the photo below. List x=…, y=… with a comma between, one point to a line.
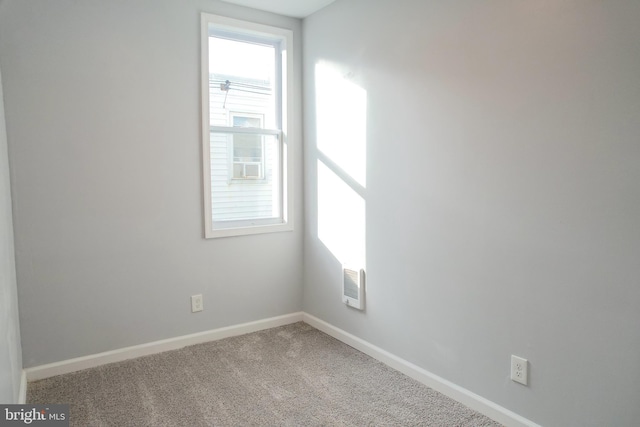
x=502, y=194
x=103, y=117
x=10, y=350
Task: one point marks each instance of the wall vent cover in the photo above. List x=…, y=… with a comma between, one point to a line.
x=353, y=287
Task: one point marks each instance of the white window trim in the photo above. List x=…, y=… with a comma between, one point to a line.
x=286, y=152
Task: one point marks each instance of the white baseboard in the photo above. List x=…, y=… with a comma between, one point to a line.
x=462, y=395
x=22, y=393
x=91, y=361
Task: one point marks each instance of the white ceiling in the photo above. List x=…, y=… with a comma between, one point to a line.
x=295, y=8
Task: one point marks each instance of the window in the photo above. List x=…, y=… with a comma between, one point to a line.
x=248, y=150
x=246, y=155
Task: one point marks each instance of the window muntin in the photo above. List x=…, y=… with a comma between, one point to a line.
x=247, y=170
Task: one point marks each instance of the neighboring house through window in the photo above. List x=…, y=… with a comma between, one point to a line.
x=247, y=167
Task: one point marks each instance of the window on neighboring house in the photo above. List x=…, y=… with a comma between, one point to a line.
x=248, y=150
x=245, y=89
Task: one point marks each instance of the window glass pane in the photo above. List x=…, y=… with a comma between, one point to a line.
x=246, y=122
x=247, y=148
x=248, y=186
x=241, y=78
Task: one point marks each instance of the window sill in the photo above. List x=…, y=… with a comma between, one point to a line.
x=214, y=233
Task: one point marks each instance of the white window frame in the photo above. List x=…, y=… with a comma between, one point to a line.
x=250, y=226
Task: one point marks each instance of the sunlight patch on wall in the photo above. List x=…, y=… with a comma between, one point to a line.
x=341, y=120
x=341, y=218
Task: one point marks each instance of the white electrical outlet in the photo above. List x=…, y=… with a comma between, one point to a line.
x=519, y=369
x=196, y=303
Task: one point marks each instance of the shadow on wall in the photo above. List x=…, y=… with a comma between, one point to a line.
x=341, y=137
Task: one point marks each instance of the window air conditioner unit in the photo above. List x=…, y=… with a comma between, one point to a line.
x=251, y=170
x=353, y=287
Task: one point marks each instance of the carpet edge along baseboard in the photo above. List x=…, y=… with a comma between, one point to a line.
x=460, y=394
x=118, y=355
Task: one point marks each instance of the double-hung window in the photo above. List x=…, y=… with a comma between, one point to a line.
x=246, y=155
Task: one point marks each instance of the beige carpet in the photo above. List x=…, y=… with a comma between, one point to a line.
x=293, y=375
